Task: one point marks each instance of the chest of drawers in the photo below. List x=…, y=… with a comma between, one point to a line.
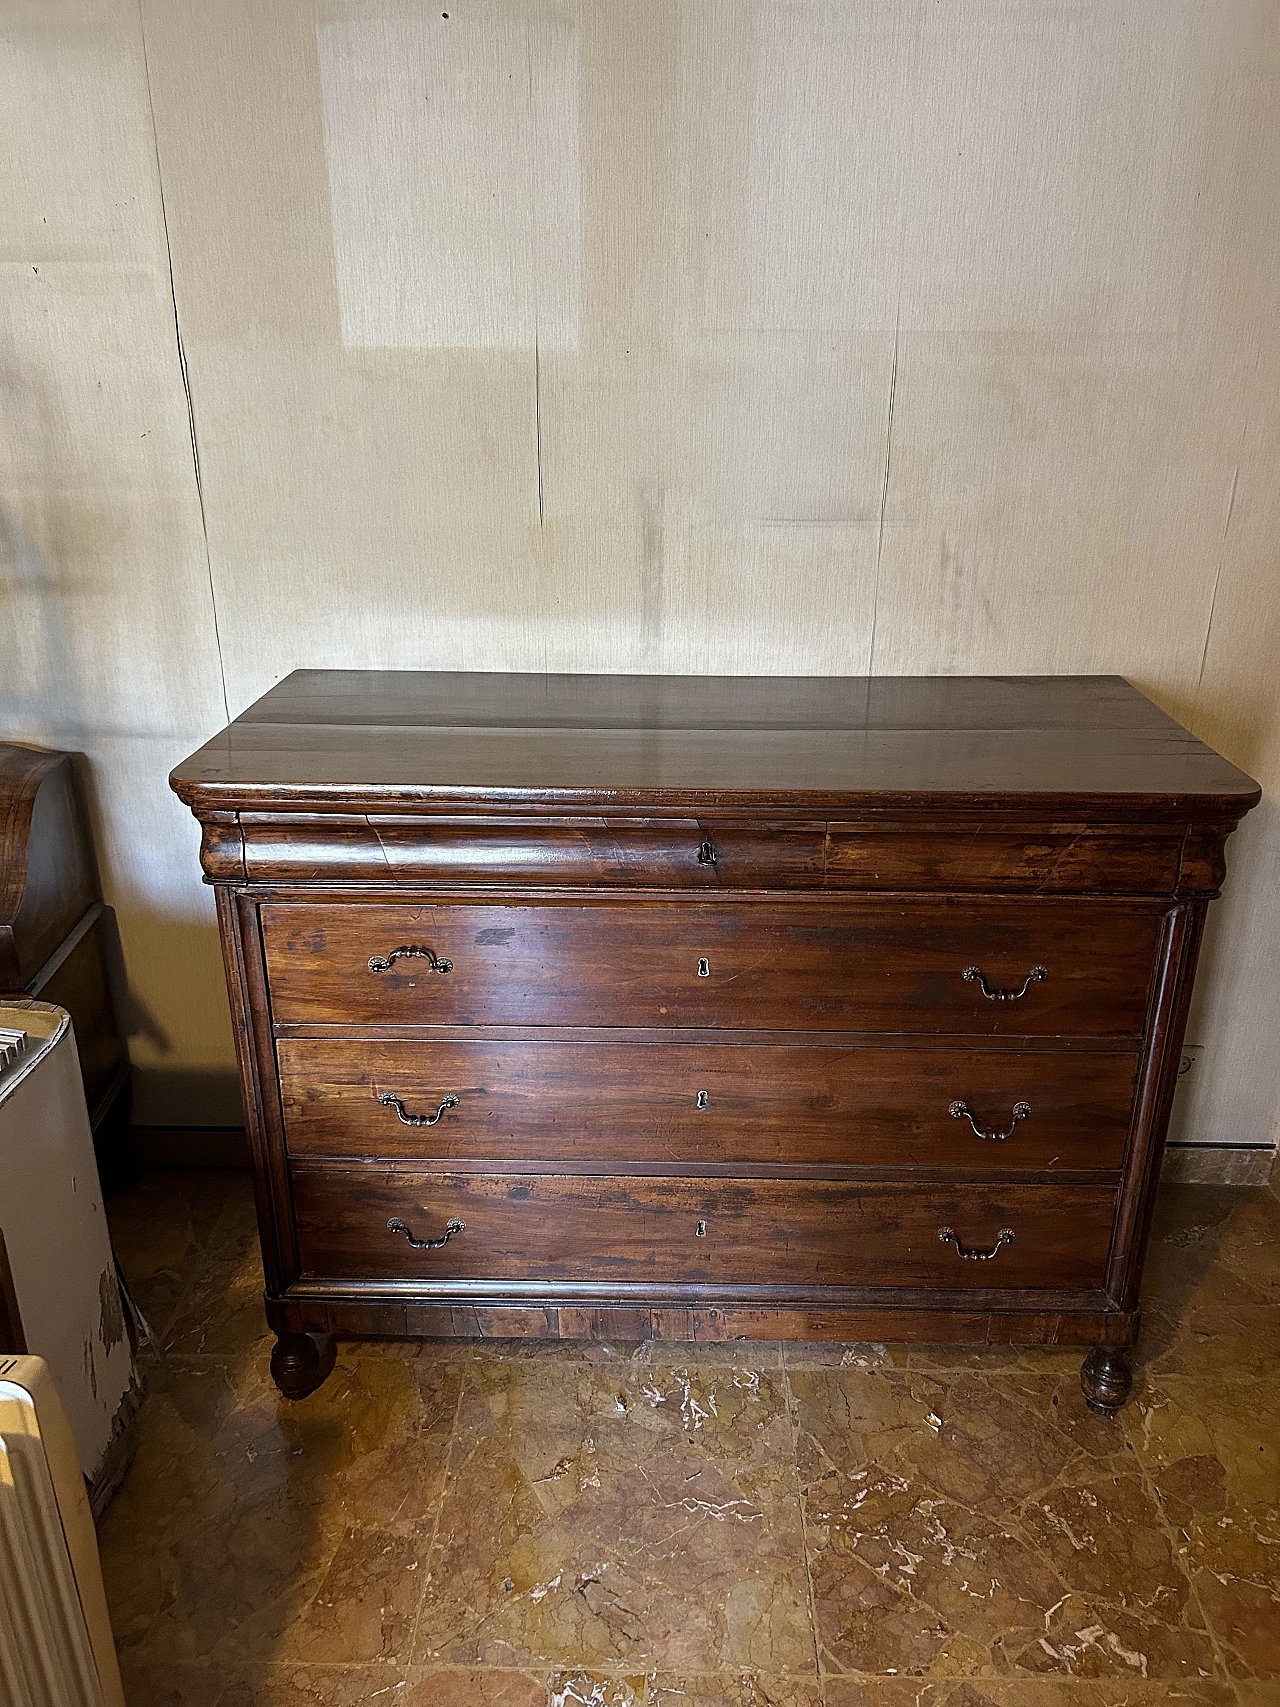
x=631, y=1007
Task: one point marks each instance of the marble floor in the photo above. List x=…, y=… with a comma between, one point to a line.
x=512, y=1525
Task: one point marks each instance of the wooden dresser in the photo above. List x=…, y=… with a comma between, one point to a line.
x=580, y=1006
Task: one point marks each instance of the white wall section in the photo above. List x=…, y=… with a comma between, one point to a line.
x=711, y=335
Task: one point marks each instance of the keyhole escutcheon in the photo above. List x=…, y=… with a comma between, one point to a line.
x=704, y=969
x=702, y=1100
x=700, y=1231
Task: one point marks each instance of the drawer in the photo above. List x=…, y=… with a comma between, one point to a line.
x=578, y=852
x=901, y=965
x=1008, y=858
x=684, y=1232
x=706, y=1104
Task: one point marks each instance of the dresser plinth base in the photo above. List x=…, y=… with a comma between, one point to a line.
x=297, y=1319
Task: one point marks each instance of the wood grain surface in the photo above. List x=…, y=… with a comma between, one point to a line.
x=755, y=1232
x=584, y=1106
x=883, y=965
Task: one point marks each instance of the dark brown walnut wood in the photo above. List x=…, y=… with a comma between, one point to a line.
x=299, y=1364
x=47, y=876
x=1056, y=748
x=882, y=965
x=743, y=1234
x=671, y=853
x=981, y=855
x=1107, y=1379
x=731, y=1107
x=675, y=984
x=57, y=937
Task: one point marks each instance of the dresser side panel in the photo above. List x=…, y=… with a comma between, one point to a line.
x=255, y=1053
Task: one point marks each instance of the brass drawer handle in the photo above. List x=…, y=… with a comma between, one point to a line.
x=707, y=854
x=948, y=1237
x=396, y=1225
x=993, y=993
x=383, y=962
x=962, y=1111
x=389, y=1101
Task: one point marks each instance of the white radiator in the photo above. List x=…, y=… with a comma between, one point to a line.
x=56, y=1648
x=55, y=1232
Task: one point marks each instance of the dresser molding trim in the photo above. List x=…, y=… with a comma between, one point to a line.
x=398, y=853
x=371, y=1317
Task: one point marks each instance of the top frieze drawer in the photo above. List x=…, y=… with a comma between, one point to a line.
x=580, y=852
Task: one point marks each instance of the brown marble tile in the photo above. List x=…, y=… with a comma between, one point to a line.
x=365, y=1605
x=1228, y=1341
x=620, y=1515
x=171, y=1225
x=467, y=1687
x=522, y=1523
x=945, y=1521
x=163, y=1684
x=734, y=1689
x=274, y=1685
x=1212, y=1451
x=221, y=1313
x=1023, y=1692
x=1213, y=1245
x=237, y=1501
x=596, y=1689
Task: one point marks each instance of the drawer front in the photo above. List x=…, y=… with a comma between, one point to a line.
x=1110, y=859
x=682, y=1232
x=706, y=1104
x=580, y=852
x=936, y=965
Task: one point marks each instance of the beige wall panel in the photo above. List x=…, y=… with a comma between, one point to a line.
x=106, y=622
x=1051, y=508
x=710, y=335
x=1235, y=1092
x=236, y=92
x=75, y=135
x=175, y=1005
x=368, y=508
x=796, y=128
x=104, y=589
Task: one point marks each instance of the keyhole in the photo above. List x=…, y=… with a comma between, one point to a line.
x=701, y=1230
x=702, y=1100
x=704, y=969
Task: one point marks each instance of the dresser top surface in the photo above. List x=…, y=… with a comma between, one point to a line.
x=379, y=739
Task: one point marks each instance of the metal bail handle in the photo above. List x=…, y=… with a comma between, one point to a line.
x=948, y=1236
x=389, y=1100
x=993, y=992
x=396, y=1225
x=962, y=1111
x=384, y=962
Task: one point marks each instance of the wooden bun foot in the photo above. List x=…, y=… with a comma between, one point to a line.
x=1106, y=1377
x=300, y=1363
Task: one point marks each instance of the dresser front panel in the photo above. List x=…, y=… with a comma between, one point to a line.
x=1009, y=858
x=548, y=1228
x=706, y=1105
x=578, y=852
x=888, y=965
